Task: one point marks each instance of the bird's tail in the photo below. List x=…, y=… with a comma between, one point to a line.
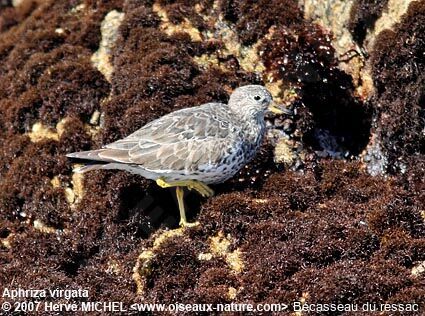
x=86, y=168
x=92, y=160
x=117, y=166
x=88, y=155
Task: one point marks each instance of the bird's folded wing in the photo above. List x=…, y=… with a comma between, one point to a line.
x=182, y=140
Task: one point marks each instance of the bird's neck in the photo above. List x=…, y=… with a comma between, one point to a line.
x=253, y=125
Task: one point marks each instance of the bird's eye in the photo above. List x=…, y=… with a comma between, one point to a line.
x=257, y=98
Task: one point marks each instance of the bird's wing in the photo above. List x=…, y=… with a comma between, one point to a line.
x=180, y=141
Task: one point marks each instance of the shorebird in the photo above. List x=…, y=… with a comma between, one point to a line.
x=192, y=147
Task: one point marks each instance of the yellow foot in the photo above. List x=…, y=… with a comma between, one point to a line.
x=186, y=224
x=202, y=188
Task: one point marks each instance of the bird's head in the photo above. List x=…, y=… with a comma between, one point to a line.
x=253, y=100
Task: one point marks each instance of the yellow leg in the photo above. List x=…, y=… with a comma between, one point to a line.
x=202, y=188
x=180, y=194
x=183, y=220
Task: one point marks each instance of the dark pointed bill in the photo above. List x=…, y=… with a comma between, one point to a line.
x=276, y=109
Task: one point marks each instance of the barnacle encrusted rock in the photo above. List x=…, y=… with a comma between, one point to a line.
x=101, y=59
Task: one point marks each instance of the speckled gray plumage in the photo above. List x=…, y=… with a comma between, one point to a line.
x=208, y=143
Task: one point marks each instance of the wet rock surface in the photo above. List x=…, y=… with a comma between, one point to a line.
x=331, y=209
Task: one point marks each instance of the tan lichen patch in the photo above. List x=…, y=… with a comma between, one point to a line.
x=250, y=59
x=94, y=125
x=142, y=266
x=220, y=245
x=205, y=256
x=391, y=15
x=418, y=269
x=75, y=193
x=282, y=94
x=335, y=15
x=232, y=293
x=275, y=89
x=7, y=242
x=302, y=300
x=284, y=152
x=17, y=3
x=247, y=56
x=92, y=130
x=40, y=226
x=260, y=201
x=170, y=29
x=113, y=267
x=366, y=88
x=55, y=182
x=60, y=127
x=208, y=60
x=94, y=119
x=41, y=132
x=101, y=59
x=78, y=8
